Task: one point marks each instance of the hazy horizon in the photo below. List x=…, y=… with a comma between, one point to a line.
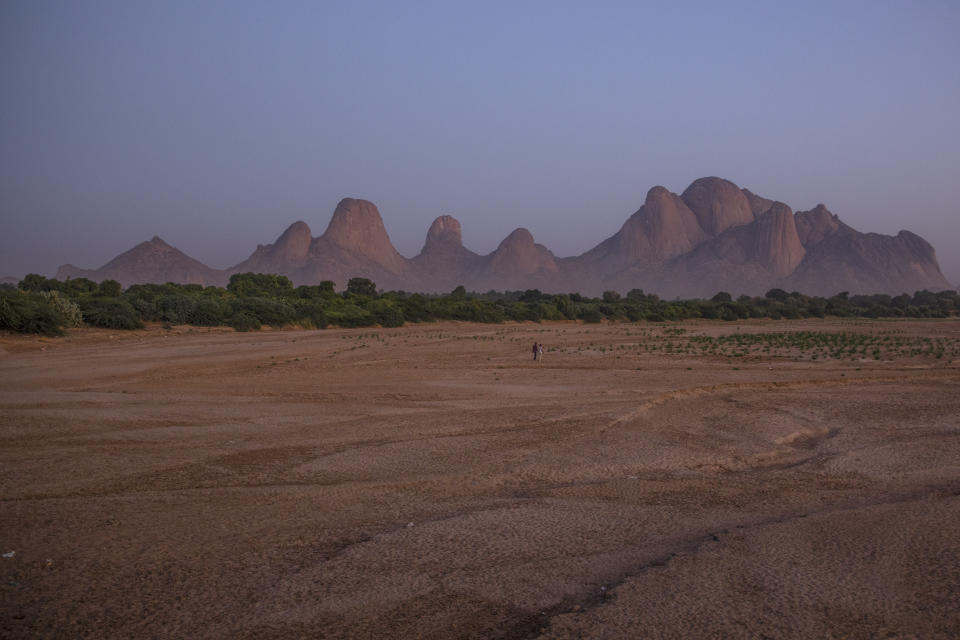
x=217, y=125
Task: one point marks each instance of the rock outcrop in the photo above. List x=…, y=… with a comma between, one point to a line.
x=444, y=259
x=815, y=225
x=663, y=228
x=355, y=244
x=718, y=204
x=672, y=227
x=518, y=254
x=442, y=235
x=758, y=205
x=517, y=263
x=287, y=255
x=356, y=227
x=777, y=246
x=846, y=260
x=713, y=237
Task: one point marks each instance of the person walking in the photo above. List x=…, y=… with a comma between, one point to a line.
x=535, y=350
x=539, y=355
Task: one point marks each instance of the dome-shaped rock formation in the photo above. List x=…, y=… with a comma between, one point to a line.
x=718, y=204
x=672, y=228
x=519, y=254
x=357, y=227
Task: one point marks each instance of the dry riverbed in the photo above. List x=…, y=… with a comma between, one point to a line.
x=700, y=479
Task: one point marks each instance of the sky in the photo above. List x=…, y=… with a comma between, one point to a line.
x=216, y=125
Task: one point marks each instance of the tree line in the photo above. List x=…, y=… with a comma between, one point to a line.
x=48, y=306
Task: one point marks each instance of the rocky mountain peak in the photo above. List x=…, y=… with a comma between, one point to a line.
x=671, y=227
x=284, y=256
x=758, y=204
x=295, y=241
x=713, y=237
x=357, y=227
x=151, y=261
x=815, y=225
x=657, y=195
x=778, y=247
x=444, y=232
x=519, y=239
x=519, y=254
x=297, y=229
x=718, y=204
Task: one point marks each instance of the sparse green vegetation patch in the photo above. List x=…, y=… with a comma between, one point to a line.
x=810, y=345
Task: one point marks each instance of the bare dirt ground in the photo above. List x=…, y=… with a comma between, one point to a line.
x=433, y=481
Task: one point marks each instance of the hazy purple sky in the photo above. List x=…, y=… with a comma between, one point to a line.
x=217, y=124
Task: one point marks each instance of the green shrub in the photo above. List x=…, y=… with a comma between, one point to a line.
x=272, y=312
x=174, y=308
x=315, y=292
x=9, y=317
x=109, y=313
x=416, y=308
x=260, y=285
x=70, y=310
x=208, y=312
x=35, y=282
x=385, y=313
x=350, y=315
x=29, y=313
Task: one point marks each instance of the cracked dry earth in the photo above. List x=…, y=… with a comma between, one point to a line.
x=432, y=481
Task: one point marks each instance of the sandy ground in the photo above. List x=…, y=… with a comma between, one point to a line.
x=433, y=481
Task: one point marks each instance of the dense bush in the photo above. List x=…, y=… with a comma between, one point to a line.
x=109, y=313
x=350, y=315
x=268, y=311
x=260, y=285
x=250, y=300
x=324, y=290
x=174, y=308
x=70, y=310
x=416, y=308
x=385, y=313
x=208, y=312
x=29, y=312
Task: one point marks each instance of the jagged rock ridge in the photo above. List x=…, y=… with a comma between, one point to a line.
x=715, y=236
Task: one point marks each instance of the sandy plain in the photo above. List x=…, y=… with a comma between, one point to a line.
x=432, y=481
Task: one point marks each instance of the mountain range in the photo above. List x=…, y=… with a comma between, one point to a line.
x=713, y=237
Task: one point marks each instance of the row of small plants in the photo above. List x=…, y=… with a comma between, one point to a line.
x=48, y=306
x=814, y=345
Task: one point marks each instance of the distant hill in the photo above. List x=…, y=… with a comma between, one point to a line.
x=151, y=261
x=713, y=237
